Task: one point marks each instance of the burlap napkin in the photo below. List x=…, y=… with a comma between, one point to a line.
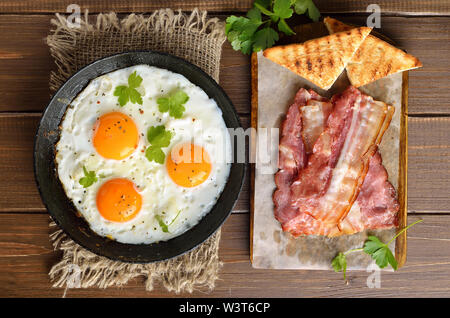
x=193, y=37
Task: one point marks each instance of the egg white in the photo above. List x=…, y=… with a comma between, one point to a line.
x=202, y=123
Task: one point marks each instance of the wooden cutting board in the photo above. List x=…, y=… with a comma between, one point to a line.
x=304, y=33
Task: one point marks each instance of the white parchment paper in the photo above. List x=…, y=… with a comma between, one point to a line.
x=273, y=248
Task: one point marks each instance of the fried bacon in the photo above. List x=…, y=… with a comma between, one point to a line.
x=292, y=157
x=343, y=187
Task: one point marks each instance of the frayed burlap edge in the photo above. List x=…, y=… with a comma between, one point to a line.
x=80, y=268
x=164, y=20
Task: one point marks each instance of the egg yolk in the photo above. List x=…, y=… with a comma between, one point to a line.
x=118, y=200
x=188, y=165
x=115, y=136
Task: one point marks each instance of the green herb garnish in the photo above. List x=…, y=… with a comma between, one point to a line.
x=255, y=32
x=164, y=226
x=158, y=137
x=308, y=7
x=129, y=93
x=88, y=179
x=155, y=154
x=379, y=251
x=173, y=103
x=339, y=263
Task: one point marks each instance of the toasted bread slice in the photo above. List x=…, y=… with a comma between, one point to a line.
x=374, y=59
x=321, y=60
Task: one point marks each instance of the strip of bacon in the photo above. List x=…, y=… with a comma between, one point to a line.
x=376, y=206
x=326, y=188
x=377, y=198
x=314, y=117
x=292, y=155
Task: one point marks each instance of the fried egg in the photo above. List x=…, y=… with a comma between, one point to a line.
x=124, y=195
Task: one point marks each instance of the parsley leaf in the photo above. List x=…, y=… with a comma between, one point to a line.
x=134, y=80
x=229, y=22
x=307, y=6
x=282, y=9
x=339, y=263
x=155, y=154
x=373, y=246
x=264, y=6
x=135, y=96
x=254, y=32
x=265, y=38
x=129, y=93
x=159, y=138
x=173, y=104
x=241, y=30
x=88, y=179
x=255, y=16
x=380, y=252
x=122, y=92
x=263, y=3
x=284, y=27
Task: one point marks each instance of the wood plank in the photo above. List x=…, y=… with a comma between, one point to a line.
x=407, y=7
x=428, y=173
x=95, y=6
x=429, y=164
x=325, y=6
x=16, y=155
x=25, y=63
x=26, y=257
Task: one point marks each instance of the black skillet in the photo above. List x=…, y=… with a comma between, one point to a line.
x=61, y=208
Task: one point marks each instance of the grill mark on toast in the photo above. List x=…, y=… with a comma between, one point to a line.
x=330, y=62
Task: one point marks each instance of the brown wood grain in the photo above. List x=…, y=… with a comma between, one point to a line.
x=25, y=251
x=25, y=66
x=46, y=6
x=25, y=63
x=27, y=255
x=428, y=167
x=16, y=157
x=429, y=164
x=412, y=7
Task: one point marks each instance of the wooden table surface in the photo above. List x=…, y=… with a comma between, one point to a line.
x=422, y=27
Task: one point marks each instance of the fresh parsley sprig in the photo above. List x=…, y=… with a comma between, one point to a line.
x=379, y=251
x=255, y=32
x=158, y=137
x=174, y=103
x=129, y=93
x=89, y=178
